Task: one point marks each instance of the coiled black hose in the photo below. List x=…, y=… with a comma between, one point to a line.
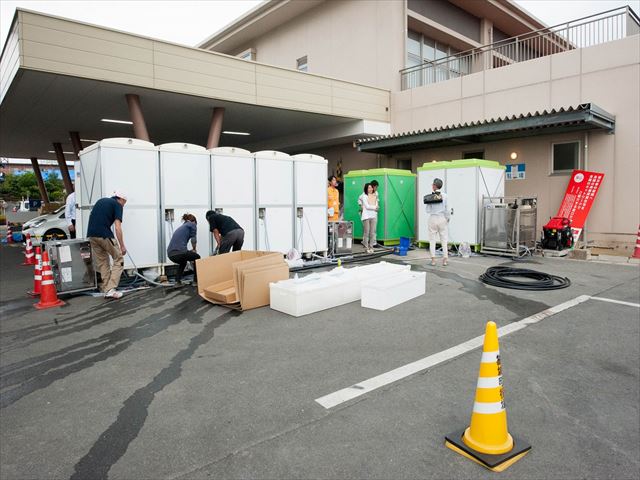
x=500, y=277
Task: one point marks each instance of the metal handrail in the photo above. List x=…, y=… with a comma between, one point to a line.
x=609, y=26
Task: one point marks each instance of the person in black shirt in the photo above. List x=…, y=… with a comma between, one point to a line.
x=105, y=213
x=226, y=231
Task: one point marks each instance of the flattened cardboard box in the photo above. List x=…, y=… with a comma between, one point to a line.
x=222, y=279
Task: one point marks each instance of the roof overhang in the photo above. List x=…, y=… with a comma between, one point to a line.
x=262, y=19
x=583, y=117
x=58, y=76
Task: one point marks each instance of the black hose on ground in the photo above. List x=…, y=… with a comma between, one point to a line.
x=539, y=281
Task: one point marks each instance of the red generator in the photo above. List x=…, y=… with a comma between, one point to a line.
x=557, y=234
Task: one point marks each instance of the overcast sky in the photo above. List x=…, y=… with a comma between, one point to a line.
x=189, y=22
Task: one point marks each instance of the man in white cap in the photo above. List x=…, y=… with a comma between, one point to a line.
x=105, y=213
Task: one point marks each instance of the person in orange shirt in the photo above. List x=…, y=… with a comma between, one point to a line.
x=333, y=200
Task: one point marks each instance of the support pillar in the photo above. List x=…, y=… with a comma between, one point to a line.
x=41, y=186
x=136, y=116
x=215, y=129
x=62, y=163
x=77, y=144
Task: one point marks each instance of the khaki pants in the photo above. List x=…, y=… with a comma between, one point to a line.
x=369, y=227
x=101, y=250
x=438, y=225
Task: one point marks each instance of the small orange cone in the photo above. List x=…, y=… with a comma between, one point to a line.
x=37, y=277
x=48, y=294
x=487, y=440
x=9, y=234
x=636, y=251
x=29, y=256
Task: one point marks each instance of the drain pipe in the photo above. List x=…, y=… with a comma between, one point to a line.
x=586, y=167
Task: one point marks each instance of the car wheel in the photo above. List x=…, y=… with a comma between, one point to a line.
x=54, y=234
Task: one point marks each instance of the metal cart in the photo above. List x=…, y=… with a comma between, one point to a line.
x=508, y=225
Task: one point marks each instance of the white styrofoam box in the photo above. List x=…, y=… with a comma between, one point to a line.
x=379, y=270
x=310, y=195
x=315, y=292
x=320, y=291
x=130, y=166
x=387, y=292
x=233, y=180
x=185, y=188
x=274, y=201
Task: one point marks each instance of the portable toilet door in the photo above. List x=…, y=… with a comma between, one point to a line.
x=131, y=166
x=311, y=221
x=274, y=201
x=465, y=184
x=184, y=188
x=426, y=174
x=233, y=189
x=353, y=187
x=77, y=167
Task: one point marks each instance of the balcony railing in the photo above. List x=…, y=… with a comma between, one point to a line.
x=584, y=32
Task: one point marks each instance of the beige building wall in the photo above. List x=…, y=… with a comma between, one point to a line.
x=607, y=75
x=361, y=42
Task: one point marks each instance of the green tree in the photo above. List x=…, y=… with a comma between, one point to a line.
x=55, y=187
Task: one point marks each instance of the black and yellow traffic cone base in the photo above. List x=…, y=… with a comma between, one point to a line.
x=495, y=463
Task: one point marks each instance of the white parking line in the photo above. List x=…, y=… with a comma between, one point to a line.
x=620, y=302
x=336, y=398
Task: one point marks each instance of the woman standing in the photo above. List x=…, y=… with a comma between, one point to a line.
x=369, y=216
x=177, y=249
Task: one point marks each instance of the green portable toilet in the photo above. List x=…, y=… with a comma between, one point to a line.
x=397, y=196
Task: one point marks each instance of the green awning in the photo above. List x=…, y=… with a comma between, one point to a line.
x=586, y=116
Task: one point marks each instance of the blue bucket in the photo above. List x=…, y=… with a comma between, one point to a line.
x=405, y=243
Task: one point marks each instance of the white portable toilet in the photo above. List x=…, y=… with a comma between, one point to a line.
x=233, y=189
x=274, y=201
x=184, y=188
x=465, y=183
x=310, y=198
x=131, y=166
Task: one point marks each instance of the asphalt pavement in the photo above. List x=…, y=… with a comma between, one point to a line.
x=161, y=384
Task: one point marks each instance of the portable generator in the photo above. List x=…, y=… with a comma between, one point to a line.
x=557, y=234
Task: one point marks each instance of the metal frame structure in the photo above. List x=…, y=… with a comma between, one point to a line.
x=512, y=230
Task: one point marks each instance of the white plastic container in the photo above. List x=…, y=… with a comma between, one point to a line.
x=320, y=291
x=233, y=189
x=310, y=195
x=185, y=188
x=274, y=201
x=130, y=166
x=387, y=292
x=315, y=292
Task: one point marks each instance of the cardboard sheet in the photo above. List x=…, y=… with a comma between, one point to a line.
x=240, y=280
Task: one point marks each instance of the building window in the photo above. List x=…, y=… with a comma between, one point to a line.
x=248, y=54
x=477, y=154
x=422, y=50
x=566, y=157
x=301, y=64
x=403, y=164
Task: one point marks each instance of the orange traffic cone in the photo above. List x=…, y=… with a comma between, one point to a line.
x=37, y=277
x=29, y=256
x=9, y=234
x=636, y=251
x=487, y=441
x=48, y=294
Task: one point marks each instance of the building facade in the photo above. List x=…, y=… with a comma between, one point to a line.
x=451, y=63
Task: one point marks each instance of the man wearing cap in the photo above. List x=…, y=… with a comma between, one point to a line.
x=105, y=213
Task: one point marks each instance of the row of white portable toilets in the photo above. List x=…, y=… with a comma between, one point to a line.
x=279, y=200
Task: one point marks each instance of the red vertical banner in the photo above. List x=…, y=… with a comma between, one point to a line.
x=578, y=199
